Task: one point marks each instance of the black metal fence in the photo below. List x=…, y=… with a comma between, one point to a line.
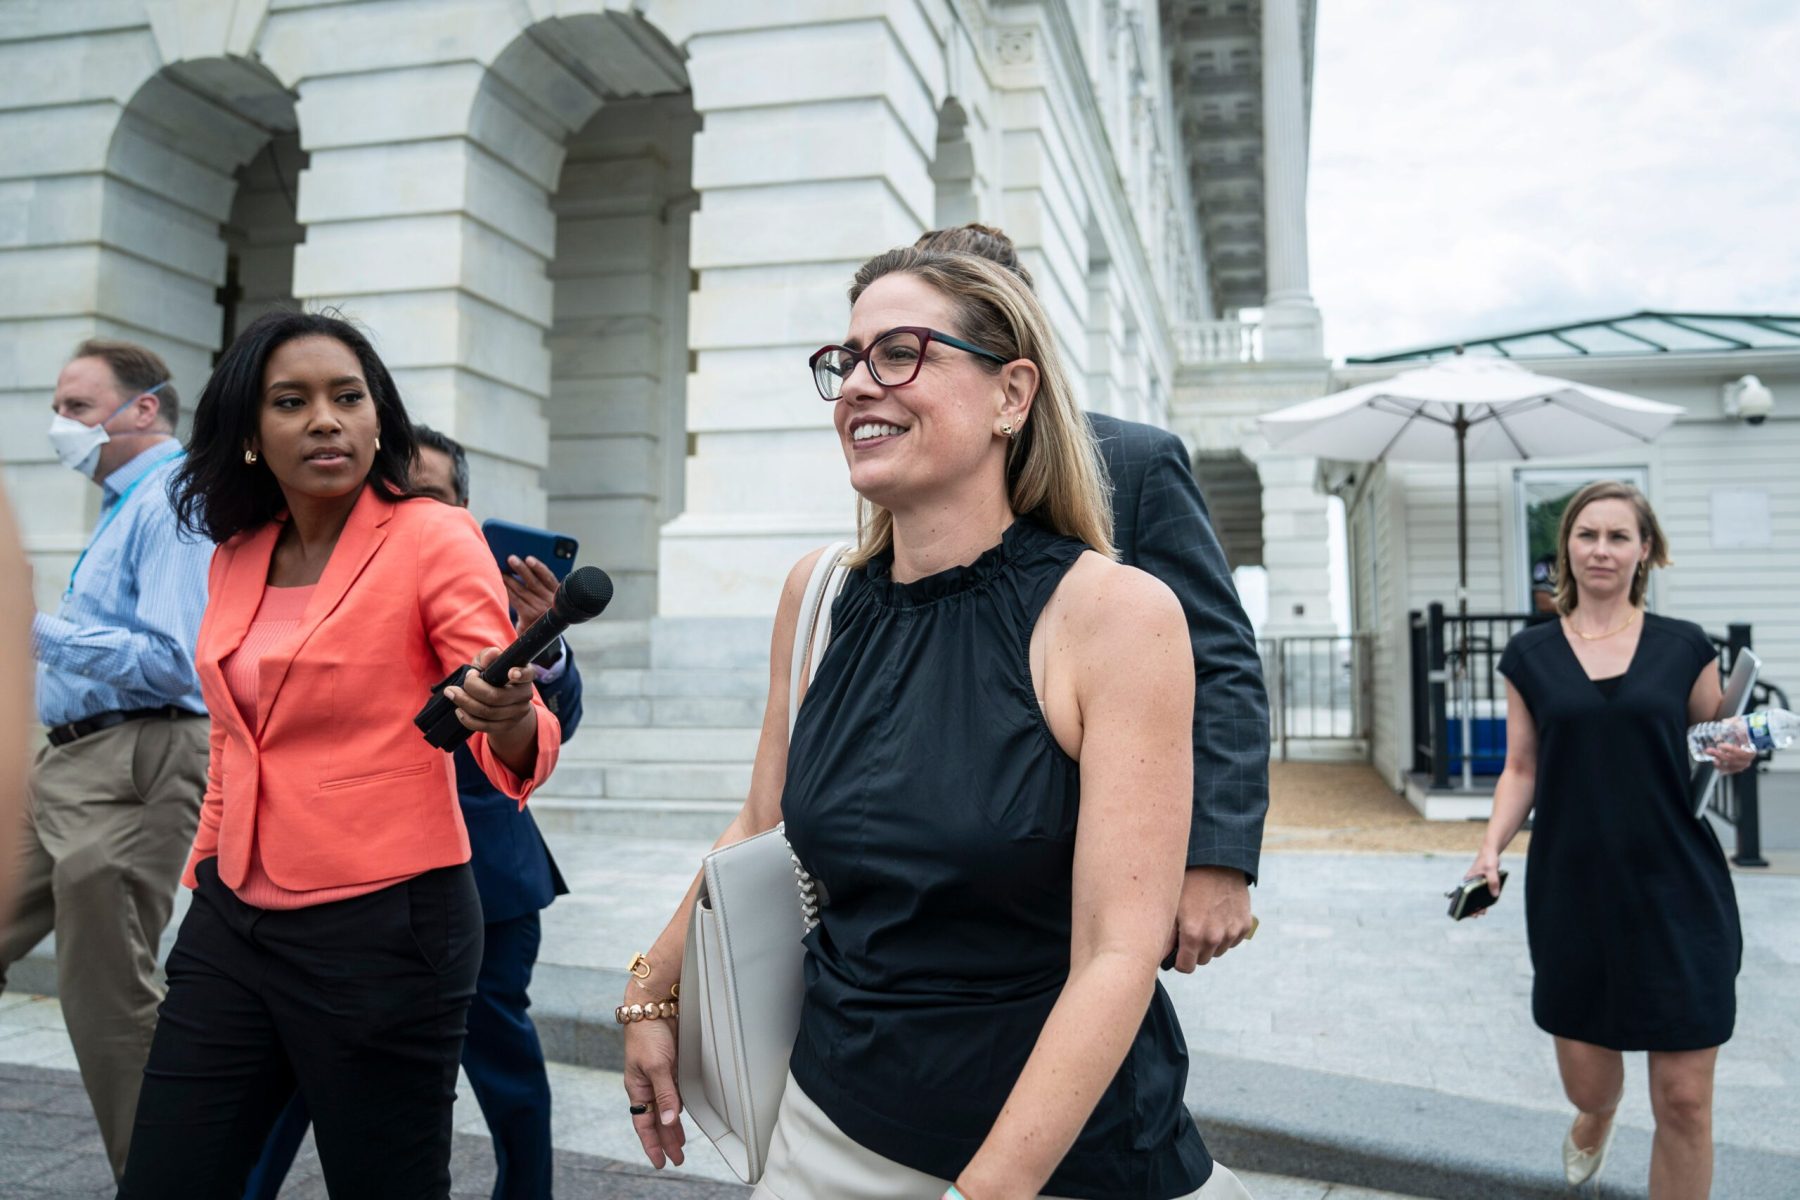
x=1453, y=661
x=1459, y=710
x=1320, y=689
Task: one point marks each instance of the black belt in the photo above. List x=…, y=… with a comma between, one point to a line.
x=62, y=735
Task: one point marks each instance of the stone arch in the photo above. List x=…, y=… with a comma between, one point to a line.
x=199, y=211
x=953, y=168
x=1234, y=498
x=590, y=120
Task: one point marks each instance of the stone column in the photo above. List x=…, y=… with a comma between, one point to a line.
x=428, y=220
x=1296, y=548
x=1291, y=328
x=802, y=174
x=1045, y=212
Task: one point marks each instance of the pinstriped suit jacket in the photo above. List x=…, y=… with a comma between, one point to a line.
x=1160, y=525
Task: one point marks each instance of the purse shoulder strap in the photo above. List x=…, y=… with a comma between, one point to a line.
x=812, y=629
x=812, y=633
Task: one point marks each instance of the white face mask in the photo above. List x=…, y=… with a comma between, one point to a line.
x=78, y=444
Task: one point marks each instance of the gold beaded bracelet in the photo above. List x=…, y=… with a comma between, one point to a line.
x=625, y=1014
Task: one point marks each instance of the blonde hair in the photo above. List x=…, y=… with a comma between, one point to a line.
x=983, y=241
x=1567, y=597
x=1053, y=471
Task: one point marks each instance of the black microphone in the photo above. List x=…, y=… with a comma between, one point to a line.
x=583, y=596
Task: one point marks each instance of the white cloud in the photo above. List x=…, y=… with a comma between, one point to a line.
x=1482, y=168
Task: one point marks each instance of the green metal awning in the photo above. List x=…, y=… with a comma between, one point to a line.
x=1636, y=333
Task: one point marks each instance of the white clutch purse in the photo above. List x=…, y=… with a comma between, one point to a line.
x=741, y=975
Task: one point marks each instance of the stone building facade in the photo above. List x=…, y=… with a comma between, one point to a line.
x=597, y=239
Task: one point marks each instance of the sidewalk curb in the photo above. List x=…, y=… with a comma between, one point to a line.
x=1420, y=1142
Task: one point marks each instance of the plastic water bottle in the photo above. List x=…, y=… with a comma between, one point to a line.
x=1770, y=729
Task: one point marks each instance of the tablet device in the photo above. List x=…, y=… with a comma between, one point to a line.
x=554, y=550
x=1735, y=703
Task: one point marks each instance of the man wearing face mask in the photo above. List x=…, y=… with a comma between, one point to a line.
x=115, y=794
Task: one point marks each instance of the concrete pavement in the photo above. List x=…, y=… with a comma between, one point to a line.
x=1362, y=1037
x=49, y=1149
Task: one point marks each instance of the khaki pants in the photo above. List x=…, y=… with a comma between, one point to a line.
x=108, y=828
x=810, y=1158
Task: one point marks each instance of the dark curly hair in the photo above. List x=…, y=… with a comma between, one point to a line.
x=219, y=495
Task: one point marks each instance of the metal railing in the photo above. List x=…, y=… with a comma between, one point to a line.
x=1459, y=709
x=1218, y=342
x=1320, y=688
x=1459, y=699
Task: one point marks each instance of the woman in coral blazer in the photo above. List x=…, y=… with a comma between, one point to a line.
x=335, y=933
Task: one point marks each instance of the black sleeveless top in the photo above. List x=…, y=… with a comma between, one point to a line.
x=1629, y=907
x=927, y=795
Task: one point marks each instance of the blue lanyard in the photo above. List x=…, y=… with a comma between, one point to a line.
x=106, y=518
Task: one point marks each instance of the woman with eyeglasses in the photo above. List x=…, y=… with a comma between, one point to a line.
x=990, y=777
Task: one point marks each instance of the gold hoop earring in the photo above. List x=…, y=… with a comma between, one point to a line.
x=378, y=441
x=249, y=457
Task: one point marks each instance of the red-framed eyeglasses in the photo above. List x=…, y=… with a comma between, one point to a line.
x=893, y=359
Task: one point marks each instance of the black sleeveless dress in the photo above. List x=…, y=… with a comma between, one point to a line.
x=1629, y=907
x=927, y=795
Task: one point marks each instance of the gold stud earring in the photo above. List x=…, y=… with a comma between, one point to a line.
x=1007, y=429
x=249, y=457
x=378, y=441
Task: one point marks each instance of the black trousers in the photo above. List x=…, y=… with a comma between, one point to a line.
x=505, y=1064
x=361, y=1004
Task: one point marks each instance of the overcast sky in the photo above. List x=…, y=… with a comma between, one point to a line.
x=1484, y=166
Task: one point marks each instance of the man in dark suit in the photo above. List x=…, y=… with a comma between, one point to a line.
x=1160, y=524
x=516, y=878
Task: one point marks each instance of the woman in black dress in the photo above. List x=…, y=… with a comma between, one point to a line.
x=990, y=776
x=1632, y=920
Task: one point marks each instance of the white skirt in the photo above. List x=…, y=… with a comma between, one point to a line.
x=810, y=1158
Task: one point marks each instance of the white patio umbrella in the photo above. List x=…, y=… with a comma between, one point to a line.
x=1466, y=410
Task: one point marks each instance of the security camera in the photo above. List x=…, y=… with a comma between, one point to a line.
x=1748, y=400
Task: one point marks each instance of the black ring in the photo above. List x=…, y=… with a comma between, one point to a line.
x=638, y=1110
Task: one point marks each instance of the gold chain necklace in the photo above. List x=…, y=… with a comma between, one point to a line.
x=1600, y=637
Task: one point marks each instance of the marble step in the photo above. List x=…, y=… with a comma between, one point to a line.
x=604, y=745
x=647, y=781
x=676, y=712
x=560, y=816
x=676, y=683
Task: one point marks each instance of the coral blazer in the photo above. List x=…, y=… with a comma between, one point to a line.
x=332, y=781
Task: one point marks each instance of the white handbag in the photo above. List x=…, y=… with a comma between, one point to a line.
x=741, y=975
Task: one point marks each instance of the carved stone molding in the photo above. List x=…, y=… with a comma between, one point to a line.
x=190, y=29
x=1015, y=46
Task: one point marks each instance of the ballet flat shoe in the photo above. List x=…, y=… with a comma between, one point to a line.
x=1580, y=1165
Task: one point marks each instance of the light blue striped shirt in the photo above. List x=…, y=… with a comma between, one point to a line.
x=124, y=634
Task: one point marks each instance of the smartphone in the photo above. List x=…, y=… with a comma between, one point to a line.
x=509, y=539
x=1471, y=896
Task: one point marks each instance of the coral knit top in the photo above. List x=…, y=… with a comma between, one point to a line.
x=277, y=617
